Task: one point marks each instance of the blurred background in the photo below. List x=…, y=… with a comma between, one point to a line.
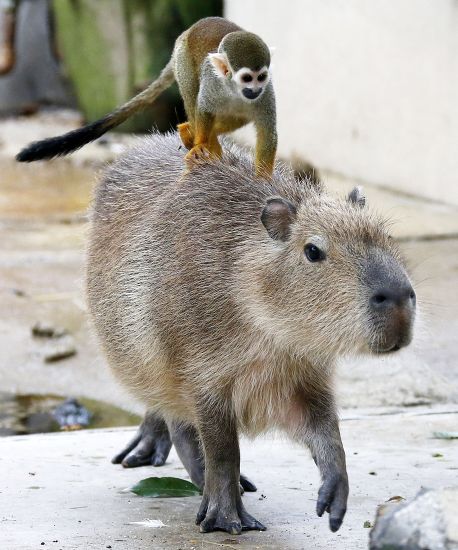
x=367, y=94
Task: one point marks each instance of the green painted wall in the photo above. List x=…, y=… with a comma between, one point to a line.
x=112, y=49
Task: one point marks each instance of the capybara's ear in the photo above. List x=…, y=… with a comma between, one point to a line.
x=356, y=196
x=277, y=216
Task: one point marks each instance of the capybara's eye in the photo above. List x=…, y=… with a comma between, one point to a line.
x=313, y=253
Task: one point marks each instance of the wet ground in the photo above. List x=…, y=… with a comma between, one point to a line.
x=31, y=414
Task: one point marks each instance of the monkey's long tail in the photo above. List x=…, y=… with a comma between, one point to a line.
x=62, y=145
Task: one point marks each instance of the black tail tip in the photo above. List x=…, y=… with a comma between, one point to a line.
x=25, y=155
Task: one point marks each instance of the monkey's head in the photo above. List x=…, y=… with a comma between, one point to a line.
x=243, y=60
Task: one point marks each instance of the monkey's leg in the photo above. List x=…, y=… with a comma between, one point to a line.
x=221, y=506
x=206, y=144
x=321, y=434
x=151, y=444
x=186, y=134
x=188, y=447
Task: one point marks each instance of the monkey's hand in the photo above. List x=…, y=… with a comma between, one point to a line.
x=332, y=498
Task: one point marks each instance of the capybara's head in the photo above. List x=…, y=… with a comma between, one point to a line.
x=331, y=280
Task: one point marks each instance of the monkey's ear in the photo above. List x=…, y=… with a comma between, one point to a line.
x=220, y=64
x=356, y=196
x=277, y=216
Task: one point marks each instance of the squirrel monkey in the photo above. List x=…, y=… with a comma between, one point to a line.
x=223, y=74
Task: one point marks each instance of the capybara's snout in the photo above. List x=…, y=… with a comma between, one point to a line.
x=391, y=304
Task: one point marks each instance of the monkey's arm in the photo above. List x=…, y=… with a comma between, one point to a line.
x=266, y=135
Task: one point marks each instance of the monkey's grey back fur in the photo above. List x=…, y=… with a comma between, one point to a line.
x=193, y=300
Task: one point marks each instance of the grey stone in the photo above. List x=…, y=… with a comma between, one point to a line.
x=427, y=522
x=60, y=348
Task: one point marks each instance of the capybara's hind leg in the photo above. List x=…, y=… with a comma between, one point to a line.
x=151, y=444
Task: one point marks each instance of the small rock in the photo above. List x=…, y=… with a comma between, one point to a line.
x=18, y=292
x=62, y=349
x=71, y=415
x=429, y=521
x=46, y=330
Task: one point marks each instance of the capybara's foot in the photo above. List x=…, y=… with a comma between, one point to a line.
x=247, y=485
x=332, y=498
x=151, y=444
x=219, y=515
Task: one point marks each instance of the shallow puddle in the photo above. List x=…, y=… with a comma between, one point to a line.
x=31, y=414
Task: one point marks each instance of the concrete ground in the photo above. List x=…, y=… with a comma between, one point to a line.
x=43, y=227
x=61, y=492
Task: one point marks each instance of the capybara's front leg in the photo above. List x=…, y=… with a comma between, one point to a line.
x=322, y=436
x=221, y=507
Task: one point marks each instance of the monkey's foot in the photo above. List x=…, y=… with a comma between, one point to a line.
x=151, y=445
x=219, y=515
x=200, y=153
x=186, y=134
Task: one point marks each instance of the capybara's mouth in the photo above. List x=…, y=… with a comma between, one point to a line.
x=381, y=350
x=391, y=350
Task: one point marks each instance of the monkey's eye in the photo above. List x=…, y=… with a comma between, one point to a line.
x=313, y=253
x=262, y=77
x=247, y=77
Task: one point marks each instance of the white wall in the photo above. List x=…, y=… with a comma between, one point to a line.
x=366, y=88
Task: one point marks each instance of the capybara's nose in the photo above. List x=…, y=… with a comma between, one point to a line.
x=385, y=298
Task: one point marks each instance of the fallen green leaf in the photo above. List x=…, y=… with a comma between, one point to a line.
x=437, y=455
x=445, y=435
x=164, y=487
x=367, y=525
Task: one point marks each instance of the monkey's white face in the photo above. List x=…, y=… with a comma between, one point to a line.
x=245, y=82
x=251, y=84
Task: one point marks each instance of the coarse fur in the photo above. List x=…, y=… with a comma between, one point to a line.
x=209, y=311
x=188, y=291
x=208, y=62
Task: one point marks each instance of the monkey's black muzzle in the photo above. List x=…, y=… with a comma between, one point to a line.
x=251, y=94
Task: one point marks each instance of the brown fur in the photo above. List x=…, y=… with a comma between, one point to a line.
x=191, y=296
x=221, y=324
